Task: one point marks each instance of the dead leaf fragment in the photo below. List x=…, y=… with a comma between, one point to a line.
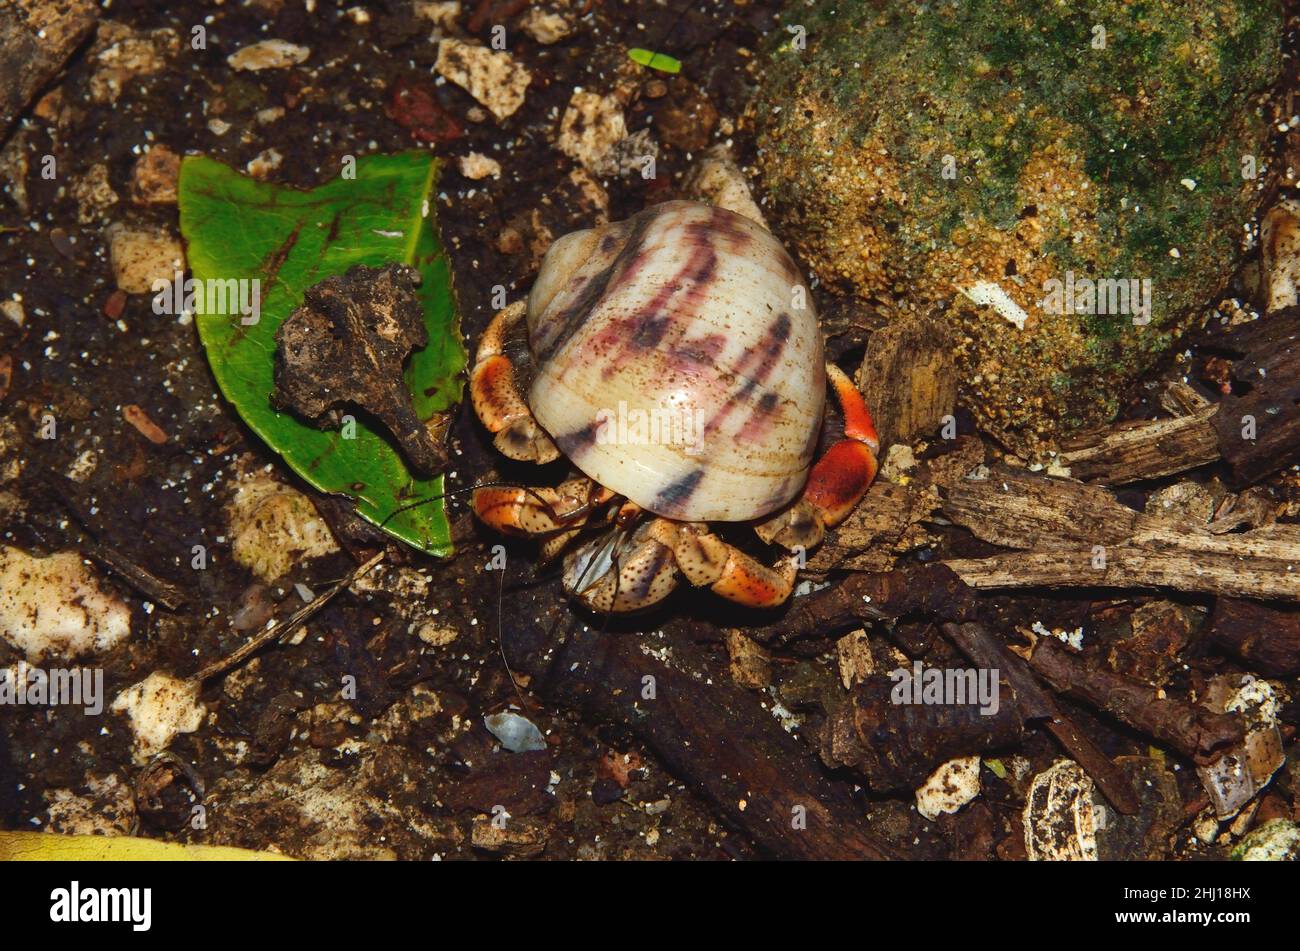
x=346, y=345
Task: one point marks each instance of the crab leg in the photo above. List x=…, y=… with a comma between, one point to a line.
x=498, y=403
x=839, y=479
x=519, y=510
x=705, y=559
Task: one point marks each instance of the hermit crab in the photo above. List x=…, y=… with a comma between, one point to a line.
x=676, y=361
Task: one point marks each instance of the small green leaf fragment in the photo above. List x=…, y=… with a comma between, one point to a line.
x=660, y=61
x=996, y=768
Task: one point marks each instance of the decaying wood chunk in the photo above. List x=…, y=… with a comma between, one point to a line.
x=1255, y=429
x=885, y=523
x=1022, y=510
x=1259, y=430
x=895, y=746
x=1266, y=637
x=36, y=37
x=1159, y=632
x=346, y=345
x=1143, y=449
x=909, y=378
x=1081, y=536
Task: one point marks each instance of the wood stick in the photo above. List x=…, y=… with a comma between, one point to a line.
x=1195, y=732
x=715, y=737
x=285, y=627
x=1143, y=449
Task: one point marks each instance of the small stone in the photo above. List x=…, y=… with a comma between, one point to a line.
x=949, y=787
x=477, y=166
x=53, y=607
x=545, y=26
x=142, y=258
x=443, y=13
x=495, y=79
x=436, y=635
x=159, y=707
x=592, y=125
x=115, y=304
x=154, y=178
x=264, y=163
x=145, y=426
x=123, y=54
x=273, y=527
x=515, y=733
x=268, y=54
x=518, y=837
x=1277, y=840
x=93, y=194
x=14, y=311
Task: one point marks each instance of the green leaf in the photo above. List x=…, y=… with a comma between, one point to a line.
x=288, y=240
x=660, y=61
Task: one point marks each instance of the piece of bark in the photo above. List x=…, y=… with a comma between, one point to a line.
x=882, y=526
x=1232, y=566
x=895, y=746
x=1255, y=429
x=1152, y=651
x=932, y=590
x=1191, y=730
x=1081, y=536
x=1266, y=362
x=36, y=39
x=1018, y=509
x=909, y=378
x=716, y=738
x=1181, y=399
x=1143, y=449
x=1267, y=638
x=346, y=345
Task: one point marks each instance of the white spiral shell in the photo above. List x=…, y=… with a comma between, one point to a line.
x=679, y=362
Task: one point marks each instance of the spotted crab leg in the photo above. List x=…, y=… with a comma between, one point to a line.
x=521, y=510
x=705, y=559
x=498, y=403
x=839, y=479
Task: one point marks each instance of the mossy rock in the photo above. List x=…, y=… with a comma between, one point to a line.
x=913, y=152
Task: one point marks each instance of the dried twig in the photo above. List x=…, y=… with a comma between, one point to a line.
x=981, y=647
x=285, y=627
x=1193, y=731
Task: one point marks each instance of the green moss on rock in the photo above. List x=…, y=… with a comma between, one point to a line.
x=1115, y=156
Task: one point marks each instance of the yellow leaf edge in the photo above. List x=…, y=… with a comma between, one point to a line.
x=54, y=847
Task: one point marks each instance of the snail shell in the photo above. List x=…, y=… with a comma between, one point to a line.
x=679, y=362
